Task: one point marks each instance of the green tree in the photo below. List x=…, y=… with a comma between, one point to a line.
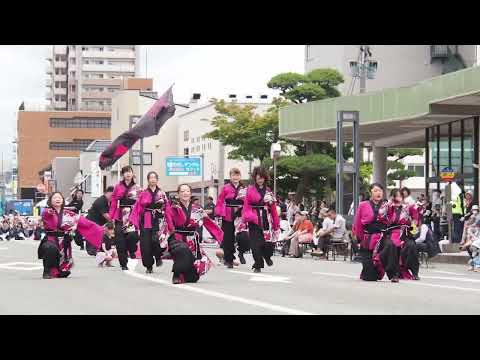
x=317, y=85
x=396, y=169
x=249, y=133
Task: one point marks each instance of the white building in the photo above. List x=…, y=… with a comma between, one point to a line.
x=92, y=73
x=398, y=65
x=192, y=126
x=182, y=135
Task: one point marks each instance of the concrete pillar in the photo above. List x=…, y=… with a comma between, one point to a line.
x=380, y=165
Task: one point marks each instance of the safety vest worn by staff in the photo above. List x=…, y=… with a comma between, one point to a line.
x=458, y=207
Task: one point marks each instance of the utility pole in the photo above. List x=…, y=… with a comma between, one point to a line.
x=202, y=199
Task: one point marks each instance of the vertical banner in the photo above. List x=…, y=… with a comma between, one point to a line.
x=96, y=179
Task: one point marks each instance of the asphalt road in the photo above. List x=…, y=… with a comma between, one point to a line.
x=291, y=286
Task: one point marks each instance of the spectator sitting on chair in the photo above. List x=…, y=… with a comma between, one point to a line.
x=303, y=235
x=333, y=229
x=425, y=242
x=287, y=238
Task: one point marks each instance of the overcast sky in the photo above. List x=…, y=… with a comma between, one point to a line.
x=212, y=70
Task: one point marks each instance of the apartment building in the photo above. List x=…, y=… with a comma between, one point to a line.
x=84, y=77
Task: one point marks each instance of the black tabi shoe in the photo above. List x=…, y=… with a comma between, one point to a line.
x=415, y=277
x=133, y=256
x=159, y=262
x=124, y=268
x=241, y=258
x=257, y=270
x=394, y=279
x=176, y=279
x=149, y=271
x=64, y=274
x=269, y=262
x=47, y=276
x=229, y=265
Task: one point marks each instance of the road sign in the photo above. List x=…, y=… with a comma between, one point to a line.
x=182, y=166
x=447, y=174
x=23, y=207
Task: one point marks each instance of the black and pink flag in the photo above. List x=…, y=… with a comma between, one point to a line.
x=148, y=125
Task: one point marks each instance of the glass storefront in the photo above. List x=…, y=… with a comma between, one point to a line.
x=453, y=145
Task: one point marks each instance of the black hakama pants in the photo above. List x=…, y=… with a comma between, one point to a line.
x=261, y=249
x=183, y=260
x=150, y=247
x=126, y=243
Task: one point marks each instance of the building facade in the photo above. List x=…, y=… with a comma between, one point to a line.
x=398, y=65
x=84, y=77
x=440, y=115
x=182, y=135
x=128, y=106
x=45, y=135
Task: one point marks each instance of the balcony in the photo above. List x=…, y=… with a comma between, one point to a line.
x=59, y=77
x=107, y=68
x=60, y=49
x=59, y=105
x=96, y=107
x=60, y=64
x=96, y=95
x=105, y=82
x=117, y=54
x=60, y=91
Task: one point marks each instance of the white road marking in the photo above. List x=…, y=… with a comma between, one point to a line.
x=408, y=282
x=3, y=248
x=220, y=295
x=447, y=272
x=450, y=278
x=263, y=277
x=24, y=266
x=132, y=264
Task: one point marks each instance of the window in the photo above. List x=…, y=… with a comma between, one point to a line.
x=76, y=145
x=88, y=123
x=57, y=84
x=185, y=152
x=193, y=149
x=186, y=134
x=86, y=61
x=418, y=169
x=209, y=146
x=198, y=139
x=147, y=158
x=203, y=147
x=198, y=148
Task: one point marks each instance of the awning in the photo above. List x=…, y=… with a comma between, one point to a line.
x=391, y=117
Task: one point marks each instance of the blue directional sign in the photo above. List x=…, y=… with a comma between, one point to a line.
x=182, y=166
x=23, y=207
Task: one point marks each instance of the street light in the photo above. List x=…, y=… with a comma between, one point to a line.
x=275, y=151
